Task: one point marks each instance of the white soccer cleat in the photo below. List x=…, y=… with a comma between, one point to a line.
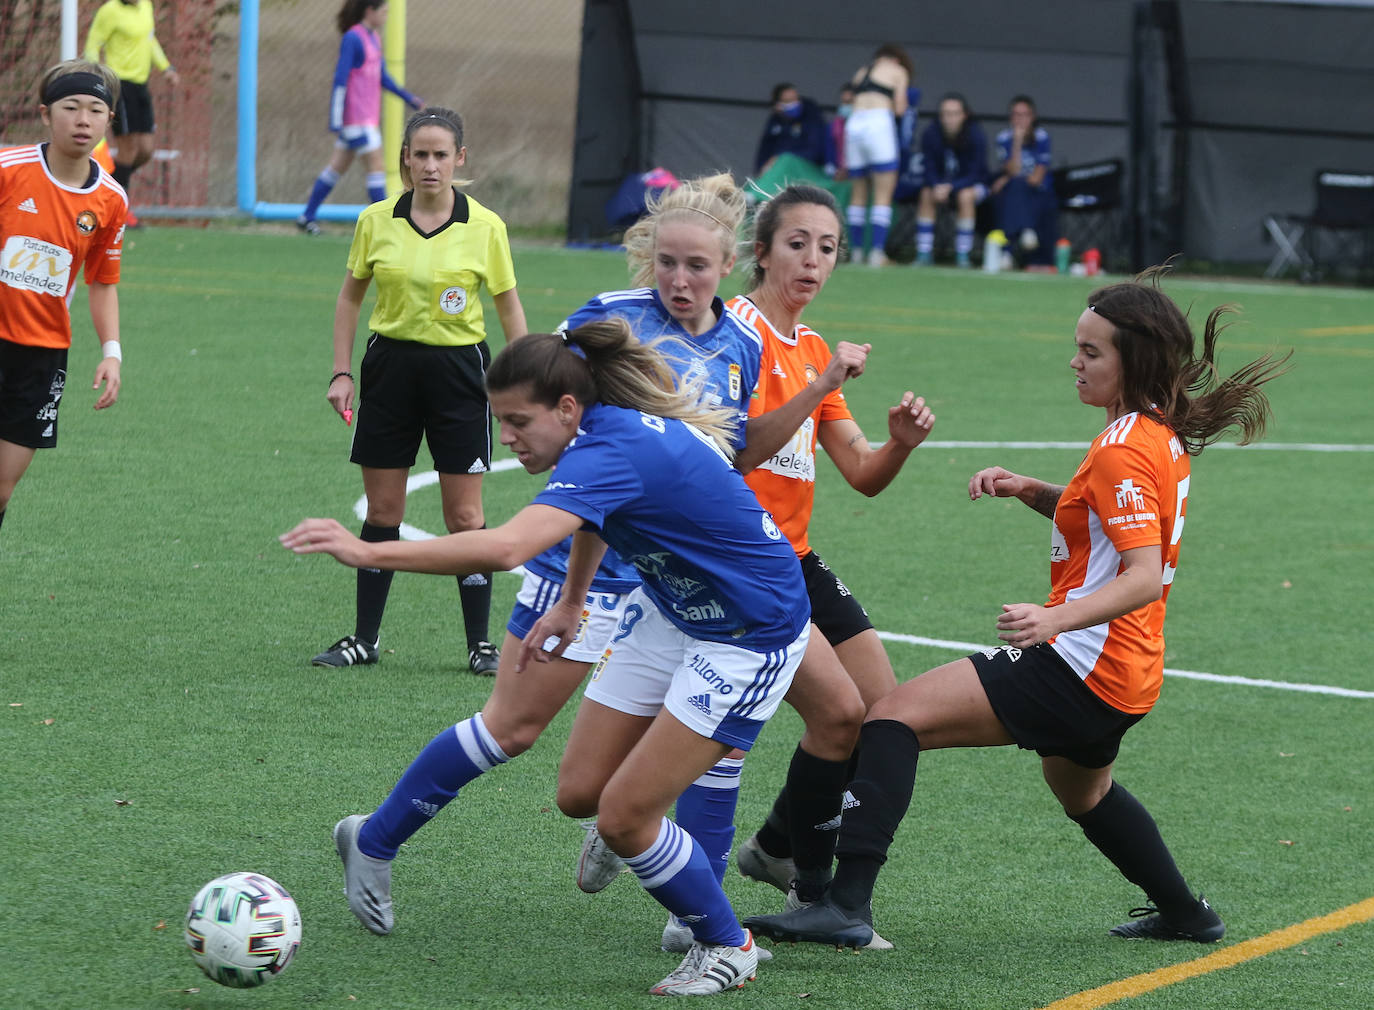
x=367, y=880
x=678, y=939
x=711, y=968
x=597, y=865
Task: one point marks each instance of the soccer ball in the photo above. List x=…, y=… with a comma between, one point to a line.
x=243, y=929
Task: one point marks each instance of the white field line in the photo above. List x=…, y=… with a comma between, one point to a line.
x=429, y=477
x=1083, y=446
x=1216, y=678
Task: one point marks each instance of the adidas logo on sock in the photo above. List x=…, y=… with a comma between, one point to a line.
x=701, y=703
x=475, y=580
x=477, y=467
x=28, y=206
x=428, y=809
x=834, y=823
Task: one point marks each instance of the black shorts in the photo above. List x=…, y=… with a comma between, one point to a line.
x=31, y=384
x=134, y=110
x=408, y=389
x=1047, y=709
x=833, y=608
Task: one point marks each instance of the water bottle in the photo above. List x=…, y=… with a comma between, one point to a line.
x=1092, y=262
x=1063, y=252
x=993, y=245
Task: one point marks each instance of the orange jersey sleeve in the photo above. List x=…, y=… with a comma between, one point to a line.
x=49, y=231
x=1131, y=490
x=786, y=483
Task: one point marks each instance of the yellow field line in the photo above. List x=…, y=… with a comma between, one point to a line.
x=1247, y=950
x=1337, y=331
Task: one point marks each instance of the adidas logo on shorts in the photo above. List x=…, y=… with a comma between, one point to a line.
x=701, y=702
x=477, y=467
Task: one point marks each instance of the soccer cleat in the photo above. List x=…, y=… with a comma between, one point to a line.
x=308, y=225
x=597, y=865
x=1148, y=923
x=367, y=880
x=348, y=651
x=877, y=258
x=925, y=259
x=1029, y=241
x=793, y=903
x=756, y=864
x=678, y=939
x=819, y=922
x=961, y=261
x=712, y=968
x=484, y=659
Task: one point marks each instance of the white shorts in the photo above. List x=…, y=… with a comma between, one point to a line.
x=600, y=617
x=360, y=138
x=870, y=141
x=722, y=692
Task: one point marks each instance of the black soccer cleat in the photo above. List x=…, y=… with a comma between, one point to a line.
x=819, y=922
x=348, y=651
x=484, y=659
x=1148, y=923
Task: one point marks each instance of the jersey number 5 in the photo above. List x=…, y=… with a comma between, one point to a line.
x=1169, y=570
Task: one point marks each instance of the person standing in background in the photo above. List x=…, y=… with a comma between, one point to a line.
x=125, y=30
x=355, y=105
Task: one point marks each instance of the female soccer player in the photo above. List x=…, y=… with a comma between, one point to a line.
x=1079, y=671
x=431, y=249
x=797, y=241
x=710, y=640
x=870, y=147
x=60, y=212
x=955, y=158
x=355, y=105
x=1024, y=187
x=125, y=30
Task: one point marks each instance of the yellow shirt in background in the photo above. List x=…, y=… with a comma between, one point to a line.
x=125, y=31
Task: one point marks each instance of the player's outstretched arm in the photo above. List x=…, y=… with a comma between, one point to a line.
x=1002, y=483
x=870, y=470
x=533, y=529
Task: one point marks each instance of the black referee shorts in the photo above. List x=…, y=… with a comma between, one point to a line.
x=1047, y=709
x=833, y=608
x=409, y=389
x=134, y=110
x=31, y=383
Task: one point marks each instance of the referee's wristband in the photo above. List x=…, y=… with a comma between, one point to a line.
x=110, y=349
x=337, y=375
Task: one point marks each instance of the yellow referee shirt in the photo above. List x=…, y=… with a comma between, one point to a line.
x=428, y=285
x=126, y=33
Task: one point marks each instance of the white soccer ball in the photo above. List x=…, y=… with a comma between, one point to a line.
x=243, y=929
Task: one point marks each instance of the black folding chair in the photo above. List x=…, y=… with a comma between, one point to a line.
x=1340, y=228
x=1092, y=208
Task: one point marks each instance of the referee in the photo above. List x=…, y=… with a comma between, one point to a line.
x=431, y=250
x=124, y=29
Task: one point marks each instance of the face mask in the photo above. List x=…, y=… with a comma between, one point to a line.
x=844, y=110
x=792, y=110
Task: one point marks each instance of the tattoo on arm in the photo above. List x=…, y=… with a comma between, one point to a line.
x=1046, y=499
x=858, y=437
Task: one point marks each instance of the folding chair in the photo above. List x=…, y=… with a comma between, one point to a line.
x=1343, y=215
x=1091, y=208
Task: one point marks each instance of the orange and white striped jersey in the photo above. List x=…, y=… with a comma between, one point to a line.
x=1131, y=490
x=786, y=483
x=47, y=231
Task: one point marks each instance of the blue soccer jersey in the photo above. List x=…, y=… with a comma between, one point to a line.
x=666, y=499
x=961, y=164
x=725, y=359
x=1037, y=153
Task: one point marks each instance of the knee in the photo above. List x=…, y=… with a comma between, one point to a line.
x=833, y=738
x=516, y=738
x=458, y=518
x=578, y=798
x=622, y=824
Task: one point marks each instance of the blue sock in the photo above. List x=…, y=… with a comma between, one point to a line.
x=376, y=186
x=324, y=184
x=676, y=872
x=925, y=235
x=706, y=811
x=855, y=216
x=880, y=220
x=450, y=761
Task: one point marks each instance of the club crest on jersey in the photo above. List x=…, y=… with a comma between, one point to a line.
x=453, y=300
x=770, y=528
x=811, y=374
x=87, y=222
x=734, y=382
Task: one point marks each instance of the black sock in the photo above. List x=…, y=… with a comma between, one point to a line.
x=373, y=585
x=1125, y=833
x=2, y=516
x=121, y=175
x=882, y=788
x=815, y=790
x=775, y=837
x=474, y=593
